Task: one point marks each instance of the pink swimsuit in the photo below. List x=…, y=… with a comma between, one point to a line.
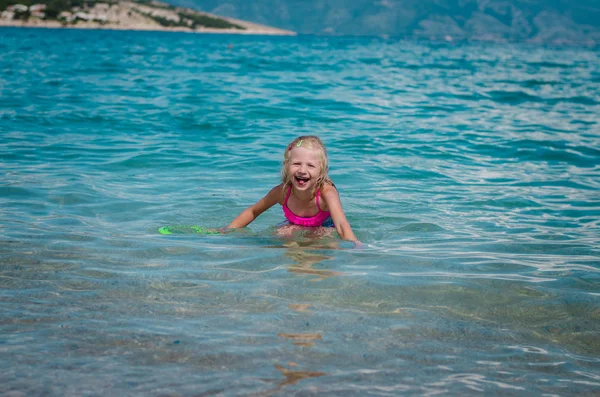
x=313, y=221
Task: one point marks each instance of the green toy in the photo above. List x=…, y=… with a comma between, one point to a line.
x=187, y=229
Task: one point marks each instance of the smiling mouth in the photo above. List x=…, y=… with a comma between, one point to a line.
x=301, y=181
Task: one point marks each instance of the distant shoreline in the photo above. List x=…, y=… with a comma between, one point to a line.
x=129, y=15
x=97, y=26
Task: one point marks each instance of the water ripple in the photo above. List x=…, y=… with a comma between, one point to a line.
x=470, y=171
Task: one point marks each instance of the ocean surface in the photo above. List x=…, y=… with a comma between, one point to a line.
x=471, y=172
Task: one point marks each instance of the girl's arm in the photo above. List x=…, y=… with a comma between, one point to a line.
x=251, y=213
x=332, y=199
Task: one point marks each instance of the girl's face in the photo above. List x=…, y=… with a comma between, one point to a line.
x=304, y=168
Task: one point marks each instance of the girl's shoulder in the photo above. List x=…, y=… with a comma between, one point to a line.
x=328, y=187
x=328, y=193
x=279, y=192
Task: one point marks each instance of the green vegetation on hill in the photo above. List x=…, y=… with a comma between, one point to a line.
x=209, y=22
x=156, y=4
x=197, y=21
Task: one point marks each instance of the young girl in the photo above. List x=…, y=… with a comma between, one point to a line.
x=308, y=197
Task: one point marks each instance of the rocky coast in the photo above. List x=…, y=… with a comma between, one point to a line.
x=127, y=15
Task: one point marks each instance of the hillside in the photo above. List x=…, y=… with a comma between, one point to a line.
x=535, y=21
x=124, y=15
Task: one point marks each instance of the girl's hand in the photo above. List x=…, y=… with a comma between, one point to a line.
x=359, y=245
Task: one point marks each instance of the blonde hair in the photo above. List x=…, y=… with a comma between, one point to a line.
x=311, y=142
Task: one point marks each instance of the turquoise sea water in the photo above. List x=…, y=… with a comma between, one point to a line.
x=471, y=172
